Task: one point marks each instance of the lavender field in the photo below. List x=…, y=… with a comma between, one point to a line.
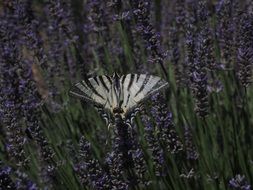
x=195, y=135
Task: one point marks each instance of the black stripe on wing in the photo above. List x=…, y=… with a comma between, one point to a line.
x=77, y=92
x=122, y=90
x=87, y=82
x=144, y=83
x=128, y=97
x=96, y=80
x=160, y=84
x=130, y=82
x=137, y=78
x=101, y=79
x=109, y=79
x=123, y=80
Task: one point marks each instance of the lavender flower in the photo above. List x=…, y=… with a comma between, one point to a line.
x=23, y=182
x=239, y=183
x=34, y=42
x=116, y=169
x=121, y=160
x=5, y=179
x=154, y=147
x=180, y=15
x=31, y=111
x=96, y=15
x=191, y=152
x=151, y=38
x=61, y=36
x=225, y=30
x=200, y=89
x=97, y=29
x=19, y=94
x=190, y=40
x=199, y=75
x=167, y=16
x=32, y=117
x=124, y=16
x=89, y=170
x=11, y=179
x=140, y=167
x=167, y=134
x=175, y=53
x=177, y=35
x=211, y=63
x=245, y=50
x=11, y=89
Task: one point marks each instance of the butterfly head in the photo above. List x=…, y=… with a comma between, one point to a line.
x=118, y=112
x=115, y=76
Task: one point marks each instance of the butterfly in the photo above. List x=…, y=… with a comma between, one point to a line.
x=118, y=96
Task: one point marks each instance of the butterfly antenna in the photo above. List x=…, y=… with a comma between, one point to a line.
x=109, y=126
x=106, y=142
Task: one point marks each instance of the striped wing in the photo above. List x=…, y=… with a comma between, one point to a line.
x=95, y=90
x=126, y=92
x=138, y=87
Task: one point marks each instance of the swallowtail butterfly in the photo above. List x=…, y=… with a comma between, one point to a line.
x=118, y=96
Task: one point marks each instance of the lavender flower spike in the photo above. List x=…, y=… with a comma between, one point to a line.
x=239, y=183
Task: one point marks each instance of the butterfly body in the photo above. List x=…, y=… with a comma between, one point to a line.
x=118, y=96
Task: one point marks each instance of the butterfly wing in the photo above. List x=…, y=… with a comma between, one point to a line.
x=138, y=87
x=94, y=90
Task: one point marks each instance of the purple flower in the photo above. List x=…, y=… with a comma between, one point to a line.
x=245, y=50
x=98, y=17
x=31, y=186
x=191, y=152
x=60, y=31
x=11, y=91
x=190, y=42
x=31, y=111
x=199, y=69
x=5, y=179
x=141, y=12
x=11, y=179
x=163, y=118
x=23, y=182
x=175, y=53
x=154, y=146
x=20, y=92
x=140, y=167
x=206, y=32
x=88, y=169
x=34, y=42
x=123, y=160
x=180, y=15
x=116, y=169
x=225, y=32
x=239, y=183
